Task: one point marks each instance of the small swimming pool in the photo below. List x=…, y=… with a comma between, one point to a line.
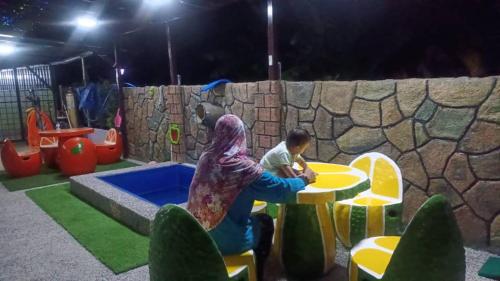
x=160, y=186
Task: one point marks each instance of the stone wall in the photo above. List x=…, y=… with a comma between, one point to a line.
x=443, y=133
x=147, y=123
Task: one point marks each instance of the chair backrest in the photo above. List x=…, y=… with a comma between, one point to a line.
x=46, y=142
x=181, y=249
x=431, y=247
x=385, y=175
x=111, y=136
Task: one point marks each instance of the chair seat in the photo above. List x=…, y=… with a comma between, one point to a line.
x=373, y=255
x=366, y=215
x=369, y=199
x=259, y=207
x=235, y=264
x=236, y=272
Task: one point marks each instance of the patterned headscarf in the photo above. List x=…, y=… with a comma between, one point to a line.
x=222, y=172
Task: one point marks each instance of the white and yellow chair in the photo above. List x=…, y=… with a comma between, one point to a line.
x=376, y=211
x=181, y=249
x=430, y=249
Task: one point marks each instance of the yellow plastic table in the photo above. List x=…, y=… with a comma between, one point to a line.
x=305, y=234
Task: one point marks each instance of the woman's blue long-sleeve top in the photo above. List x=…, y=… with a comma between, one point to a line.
x=238, y=231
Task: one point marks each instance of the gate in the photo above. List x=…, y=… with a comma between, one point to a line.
x=15, y=85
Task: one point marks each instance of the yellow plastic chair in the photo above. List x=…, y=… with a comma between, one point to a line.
x=181, y=249
x=376, y=211
x=430, y=249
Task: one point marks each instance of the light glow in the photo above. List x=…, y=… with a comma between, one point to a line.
x=269, y=10
x=122, y=71
x=158, y=2
x=6, y=35
x=6, y=49
x=86, y=22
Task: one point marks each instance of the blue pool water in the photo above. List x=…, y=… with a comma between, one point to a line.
x=157, y=185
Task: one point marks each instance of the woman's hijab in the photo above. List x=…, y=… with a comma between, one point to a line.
x=223, y=170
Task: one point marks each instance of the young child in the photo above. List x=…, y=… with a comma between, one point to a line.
x=279, y=160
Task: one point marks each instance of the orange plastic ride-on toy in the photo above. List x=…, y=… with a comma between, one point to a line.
x=20, y=164
x=111, y=150
x=77, y=156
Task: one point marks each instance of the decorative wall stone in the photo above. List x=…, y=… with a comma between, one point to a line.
x=299, y=94
x=484, y=198
x=312, y=152
x=457, y=92
x=359, y=139
x=450, y=122
x=474, y=230
x=365, y=113
x=292, y=118
x=458, y=172
x=327, y=149
x=375, y=90
x=440, y=186
x=486, y=166
x=341, y=125
x=316, y=98
x=412, y=169
x=343, y=159
x=435, y=154
x=401, y=135
x=481, y=137
x=490, y=109
x=389, y=150
x=390, y=112
x=413, y=199
x=323, y=125
x=421, y=136
x=425, y=111
x=410, y=95
x=307, y=115
x=336, y=97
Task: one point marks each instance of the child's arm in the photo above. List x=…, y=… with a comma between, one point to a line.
x=287, y=171
x=302, y=163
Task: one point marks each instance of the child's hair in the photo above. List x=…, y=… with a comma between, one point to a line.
x=297, y=136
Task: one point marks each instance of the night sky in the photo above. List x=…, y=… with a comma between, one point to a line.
x=318, y=39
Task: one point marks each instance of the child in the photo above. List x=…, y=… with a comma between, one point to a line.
x=279, y=160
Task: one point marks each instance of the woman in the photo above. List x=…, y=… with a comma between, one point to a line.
x=224, y=187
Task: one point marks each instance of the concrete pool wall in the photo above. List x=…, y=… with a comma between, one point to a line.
x=444, y=133
x=130, y=210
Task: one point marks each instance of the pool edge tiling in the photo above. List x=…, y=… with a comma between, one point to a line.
x=122, y=206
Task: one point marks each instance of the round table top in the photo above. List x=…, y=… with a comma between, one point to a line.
x=330, y=179
x=74, y=132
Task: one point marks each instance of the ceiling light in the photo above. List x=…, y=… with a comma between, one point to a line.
x=158, y=2
x=6, y=49
x=86, y=22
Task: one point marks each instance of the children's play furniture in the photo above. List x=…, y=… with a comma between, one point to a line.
x=431, y=249
x=20, y=164
x=110, y=150
x=376, y=211
x=181, y=249
x=77, y=156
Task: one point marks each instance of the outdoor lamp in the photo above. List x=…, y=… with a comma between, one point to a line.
x=6, y=49
x=157, y=2
x=86, y=22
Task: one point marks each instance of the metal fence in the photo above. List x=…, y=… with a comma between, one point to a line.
x=15, y=85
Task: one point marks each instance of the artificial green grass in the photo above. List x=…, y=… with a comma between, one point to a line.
x=491, y=269
x=115, y=245
x=50, y=176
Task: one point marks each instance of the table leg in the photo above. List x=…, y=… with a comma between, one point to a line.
x=307, y=240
